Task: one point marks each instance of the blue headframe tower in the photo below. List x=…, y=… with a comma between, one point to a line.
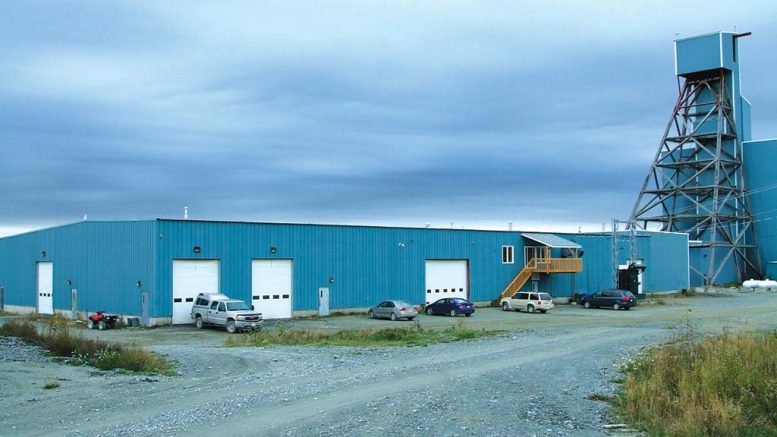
x=695, y=184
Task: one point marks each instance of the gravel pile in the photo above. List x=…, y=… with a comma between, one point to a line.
x=13, y=349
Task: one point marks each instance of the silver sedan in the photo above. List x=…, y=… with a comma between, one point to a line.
x=394, y=310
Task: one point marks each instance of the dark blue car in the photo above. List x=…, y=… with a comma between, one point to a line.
x=450, y=306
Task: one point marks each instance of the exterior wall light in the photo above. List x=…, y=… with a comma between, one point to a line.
x=69, y=282
x=138, y=284
x=197, y=249
x=43, y=254
x=273, y=250
x=331, y=279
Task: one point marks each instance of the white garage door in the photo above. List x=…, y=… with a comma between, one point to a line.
x=446, y=279
x=191, y=277
x=271, y=287
x=45, y=288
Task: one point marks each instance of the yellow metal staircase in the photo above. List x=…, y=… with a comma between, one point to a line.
x=542, y=265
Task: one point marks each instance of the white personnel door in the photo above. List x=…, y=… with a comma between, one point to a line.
x=45, y=287
x=191, y=277
x=271, y=287
x=446, y=278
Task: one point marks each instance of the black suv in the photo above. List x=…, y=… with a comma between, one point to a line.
x=615, y=299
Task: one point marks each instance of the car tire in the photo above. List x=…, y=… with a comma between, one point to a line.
x=543, y=311
x=101, y=325
x=198, y=322
x=626, y=308
x=411, y=318
x=452, y=313
x=231, y=327
x=371, y=314
x=616, y=306
x=587, y=305
x=505, y=306
x=393, y=317
x=89, y=324
x=468, y=314
x=429, y=312
x=530, y=308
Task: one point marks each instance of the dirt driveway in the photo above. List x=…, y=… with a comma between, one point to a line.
x=533, y=380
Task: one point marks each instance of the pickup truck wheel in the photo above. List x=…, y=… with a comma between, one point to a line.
x=231, y=327
x=198, y=322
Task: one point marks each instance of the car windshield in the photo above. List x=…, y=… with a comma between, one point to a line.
x=544, y=296
x=237, y=306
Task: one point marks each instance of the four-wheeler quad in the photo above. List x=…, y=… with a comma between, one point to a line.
x=101, y=321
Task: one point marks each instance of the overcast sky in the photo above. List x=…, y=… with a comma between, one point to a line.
x=544, y=114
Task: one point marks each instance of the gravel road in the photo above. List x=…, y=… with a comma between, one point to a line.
x=533, y=380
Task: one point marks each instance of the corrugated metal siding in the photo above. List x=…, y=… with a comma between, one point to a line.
x=367, y=264
x=760, y=157
x=104, y=261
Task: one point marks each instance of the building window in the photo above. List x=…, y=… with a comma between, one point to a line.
x=507, y=255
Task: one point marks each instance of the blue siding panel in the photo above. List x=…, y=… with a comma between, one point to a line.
x=103, y=261
x=760, y=157
x=365, y=264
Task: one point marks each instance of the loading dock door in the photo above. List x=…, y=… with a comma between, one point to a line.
x=271, y=287
x=45, y=288
x=191, y=277
x=446, y=278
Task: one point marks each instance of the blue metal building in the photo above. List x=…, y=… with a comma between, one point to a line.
x=152, y=269
x=760, y=158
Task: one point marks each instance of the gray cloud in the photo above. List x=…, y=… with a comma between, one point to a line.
x=544, y=113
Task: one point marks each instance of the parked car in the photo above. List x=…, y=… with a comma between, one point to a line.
x=528, y=301
x=394, y=310
x=218, y=309
x=615, y=299
x=450, y=306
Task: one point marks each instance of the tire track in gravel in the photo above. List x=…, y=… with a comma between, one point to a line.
x=422, y=370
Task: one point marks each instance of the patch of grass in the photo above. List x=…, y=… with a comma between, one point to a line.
x=601, y=397
x=50, y=385
x=402, y=336
x=76, y=350
x=718, y=385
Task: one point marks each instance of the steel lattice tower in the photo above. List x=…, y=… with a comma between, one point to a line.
x=695, y=184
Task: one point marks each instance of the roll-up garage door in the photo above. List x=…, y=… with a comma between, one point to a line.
x=191, y=277
x=446, y=278
x=45, y=288
x=271, y=287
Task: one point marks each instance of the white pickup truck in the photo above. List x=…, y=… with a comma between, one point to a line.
x=219, y=309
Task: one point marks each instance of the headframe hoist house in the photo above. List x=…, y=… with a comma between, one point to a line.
x=708, y=178
x=153, y=269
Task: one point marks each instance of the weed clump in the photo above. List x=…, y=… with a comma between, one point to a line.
x=719, y=385
x=60, y=342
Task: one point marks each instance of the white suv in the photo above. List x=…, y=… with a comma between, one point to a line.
x=529, y=301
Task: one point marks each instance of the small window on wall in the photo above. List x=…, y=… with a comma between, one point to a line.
x=507, y=255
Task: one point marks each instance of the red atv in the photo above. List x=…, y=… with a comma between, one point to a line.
x=101, y=321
